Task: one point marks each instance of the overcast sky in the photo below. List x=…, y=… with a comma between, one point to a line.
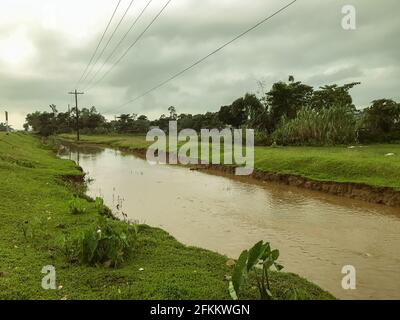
x=45, y=46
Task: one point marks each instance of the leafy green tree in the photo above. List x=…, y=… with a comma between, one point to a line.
x=32, y=121
x=333, y=95
x=285, y=100
x=255, y=110
x=141, y=125
x=225, y=115
x=125, y=123
x=381, y=121
x=143, y=118
x=242, y=111
x=172, y=113
x=91, y=120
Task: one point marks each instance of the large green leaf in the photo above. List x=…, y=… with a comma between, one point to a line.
x=255, y=255
x=268, y=262
x=267, y=251
x=240, y=272
x=275, y=254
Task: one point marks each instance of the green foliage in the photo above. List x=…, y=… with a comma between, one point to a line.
x=241, y=111
x=285, y=100
x=262, y=138
x=329, y=126
x=260, y=255
x=381, y=122
x=50, y=123
x=77, y=206
x=171, y=269
x=108, y=242
x=101, y=208
x=333, y=95
x=25, y=229
x=286, y=109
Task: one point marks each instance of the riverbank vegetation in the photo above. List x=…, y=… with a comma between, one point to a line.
x=41, y=219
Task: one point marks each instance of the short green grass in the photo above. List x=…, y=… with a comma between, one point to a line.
x=359, y=164
x=35, y=217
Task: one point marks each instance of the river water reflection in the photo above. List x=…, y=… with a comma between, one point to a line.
x=317, y=234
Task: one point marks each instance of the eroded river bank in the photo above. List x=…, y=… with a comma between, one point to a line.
x=317, y=234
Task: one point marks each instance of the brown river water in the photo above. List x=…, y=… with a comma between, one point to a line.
x=317, y=234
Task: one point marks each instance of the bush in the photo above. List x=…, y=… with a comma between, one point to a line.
x=262, y=138
x=380, y=122
x=102, y=209
x=77, y=206
x=328, y=126
x=260, y=255
x=108, y=242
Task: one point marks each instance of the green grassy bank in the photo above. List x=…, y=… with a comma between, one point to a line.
x=359, y=164
x=35, y=217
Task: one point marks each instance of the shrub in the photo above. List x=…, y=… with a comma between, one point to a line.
x=328, y=126
x=259, y=255
x=77, y=206
x=262, y=138
x=102, y=209
x=108, y=242
x=380, y=122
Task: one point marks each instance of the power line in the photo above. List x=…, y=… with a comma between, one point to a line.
x=109, y=40
x=119, y=43
x=133, y=44
x=98, y=45
x=209, y=55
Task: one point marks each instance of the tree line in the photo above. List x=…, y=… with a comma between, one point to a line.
x=290, y=113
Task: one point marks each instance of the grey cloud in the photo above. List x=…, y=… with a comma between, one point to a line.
x=307, y=41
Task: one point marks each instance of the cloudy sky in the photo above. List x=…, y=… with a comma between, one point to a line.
x=45, y=46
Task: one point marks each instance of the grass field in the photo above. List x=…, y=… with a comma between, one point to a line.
x=361, y=164
x=35, y=217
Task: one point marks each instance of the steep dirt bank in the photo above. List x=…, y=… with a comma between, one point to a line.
x=380, y=195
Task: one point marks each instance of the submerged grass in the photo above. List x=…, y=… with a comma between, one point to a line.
x=35, y=218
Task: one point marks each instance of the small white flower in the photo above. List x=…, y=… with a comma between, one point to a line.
x=141, y=269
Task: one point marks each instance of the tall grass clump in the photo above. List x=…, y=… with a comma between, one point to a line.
x=102, y=209
x=77, y=206
x=107, y=243
x=328, y=126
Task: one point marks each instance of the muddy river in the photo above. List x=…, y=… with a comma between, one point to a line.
x=317, y=234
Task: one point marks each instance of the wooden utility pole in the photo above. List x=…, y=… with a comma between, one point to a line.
x=7, y=128
x=76, y=93
x=69, y=116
